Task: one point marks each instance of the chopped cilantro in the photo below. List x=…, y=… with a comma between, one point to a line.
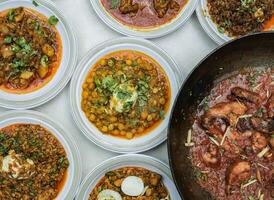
x=35, y=3
x=8, y=40
x=114, y=4
x=53, y=20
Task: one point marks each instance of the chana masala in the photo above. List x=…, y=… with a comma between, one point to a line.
x=33, y=163
x=126, y=94
x=130, y=183
x=237, y=18
x=232, y=139
x=30, y=50
x=144, y=14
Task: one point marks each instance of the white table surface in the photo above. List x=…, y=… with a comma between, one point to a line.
x=188, y=45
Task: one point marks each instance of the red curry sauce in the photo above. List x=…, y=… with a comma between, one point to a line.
x=216, y=157
x=146, y=17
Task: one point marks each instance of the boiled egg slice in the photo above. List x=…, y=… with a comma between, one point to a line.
x=133, y=186
x=109, y=195
x=13, y=164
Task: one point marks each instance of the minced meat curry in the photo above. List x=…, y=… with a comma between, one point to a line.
x=33, y=163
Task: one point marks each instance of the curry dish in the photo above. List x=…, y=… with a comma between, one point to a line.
x=126, y=94
x=144, y=14
x=237, y=18
x=33, y=163
x=232, y=139
x=130, y=183
x=30, y=50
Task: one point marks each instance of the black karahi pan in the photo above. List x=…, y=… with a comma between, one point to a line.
x=251, y=51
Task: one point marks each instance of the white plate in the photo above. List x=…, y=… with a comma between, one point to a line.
x=129, y=160
x=208, y=25
x=65, y=70
x=75, y=168
x=165, y=29
x=139, y=144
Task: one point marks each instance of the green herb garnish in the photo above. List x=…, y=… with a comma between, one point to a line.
x=114, y=4
x=53, y=20
x=35, y=3
x=44, y=61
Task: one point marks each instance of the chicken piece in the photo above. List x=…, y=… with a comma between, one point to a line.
x=255, y=123
x=261, y=125
x=244, y=96
x=259, y=141
x=127, y=7
x=228, y=112
x=238, y=173
x=212, y=156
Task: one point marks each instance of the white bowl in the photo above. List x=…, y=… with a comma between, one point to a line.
x=129, y=160
x=75, y=166
x=142, y=143
x=65, y=70
x=162, y=30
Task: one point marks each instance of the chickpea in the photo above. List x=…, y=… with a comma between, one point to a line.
x=149, y=118
x=140, y=130
x=104, y=129
x=103, y=62
x=110, y=127
x=113, y=119
x=129, y=135
x=121, y=126
x=91, y=86
x=144, y=115
x=89, y=80
x=94, y=94
x=92, y=117
x=122, y=133
x=115, y=132
x=85, y=94
x=129, y=62
x=162, y=101
x=155, y=90
x=84, y=86
x=149, y=67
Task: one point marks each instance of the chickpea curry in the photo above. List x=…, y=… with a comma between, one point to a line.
x=30, y=50
x=33, y=163
x=232, y=139
x=130, y=183
x=144, y=14
x=126, y=94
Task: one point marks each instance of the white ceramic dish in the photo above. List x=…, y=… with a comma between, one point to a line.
x=208, y=25
x=130, y=160
x=146, y=142
x=75, y=168
x=65, y=70
x=165, y=29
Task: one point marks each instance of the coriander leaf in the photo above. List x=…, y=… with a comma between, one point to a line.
x=53, y=20
x=162, y=114
x=44, y=61
x=35, y=3
x=8, y=40
x=114, y=4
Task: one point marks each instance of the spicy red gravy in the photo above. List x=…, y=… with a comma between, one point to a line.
x=233, y=138
x=144, y=14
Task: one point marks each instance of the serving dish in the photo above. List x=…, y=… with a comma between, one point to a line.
x=113, y=19
x=68, y=55
x=142, y=143
x=217, y=32
x=252, y=51
x=74, y=170
x=132, y=160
